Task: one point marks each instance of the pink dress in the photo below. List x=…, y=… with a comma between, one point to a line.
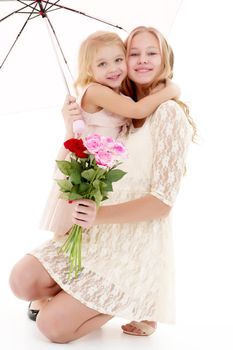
x=57, y=212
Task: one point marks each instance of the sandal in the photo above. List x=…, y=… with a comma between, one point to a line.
x=145, y=328
x=32, y=314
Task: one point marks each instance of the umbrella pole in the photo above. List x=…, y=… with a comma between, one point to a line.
x=50, y=27
x=58, y=60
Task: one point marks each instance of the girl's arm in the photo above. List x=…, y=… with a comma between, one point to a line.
x=62, y=153
x=70, y=112
x=145, y=208
x=102, y=96
x=142, y=209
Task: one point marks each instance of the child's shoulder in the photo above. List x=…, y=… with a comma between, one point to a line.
x=98, y=90
x=89, y=86
x=89, y=90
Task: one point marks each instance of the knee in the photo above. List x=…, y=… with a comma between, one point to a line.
x=22, y=283
x=52, y=327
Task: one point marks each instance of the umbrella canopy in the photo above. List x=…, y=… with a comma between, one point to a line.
x=30, y=78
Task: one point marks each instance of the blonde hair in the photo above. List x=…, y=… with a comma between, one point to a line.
x=167, y=57
x=88, y=50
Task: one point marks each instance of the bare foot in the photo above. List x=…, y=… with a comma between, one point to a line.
x=131, y=328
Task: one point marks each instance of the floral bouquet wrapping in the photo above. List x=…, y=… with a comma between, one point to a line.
x=89, y=174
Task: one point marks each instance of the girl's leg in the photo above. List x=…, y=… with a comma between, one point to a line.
x=65, y=319
x=30, y=281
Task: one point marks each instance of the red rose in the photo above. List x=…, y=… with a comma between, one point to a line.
x=76, y=146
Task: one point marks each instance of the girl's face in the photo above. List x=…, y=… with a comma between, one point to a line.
x=109, y=66
x=144, y=59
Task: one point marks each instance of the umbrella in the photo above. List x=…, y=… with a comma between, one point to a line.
x=26, y=54
x=41, y=8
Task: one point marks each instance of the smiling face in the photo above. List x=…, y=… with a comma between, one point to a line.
x=144, y=59
x=109, y=66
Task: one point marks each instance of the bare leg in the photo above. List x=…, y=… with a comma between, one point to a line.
x=65, y=319
x=30, y=281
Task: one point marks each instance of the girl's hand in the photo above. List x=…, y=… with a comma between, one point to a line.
x=171, y=88
x=71, y=112
x=84, y=213
x=158, y=88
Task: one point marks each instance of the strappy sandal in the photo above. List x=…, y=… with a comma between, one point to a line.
x=144, y=327
x=32, y=314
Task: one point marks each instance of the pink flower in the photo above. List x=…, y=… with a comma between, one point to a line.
x=107, y=143
x=119, y=148
x=104, y=158
x=109, y=139
x=93, y=143
x=105, y=149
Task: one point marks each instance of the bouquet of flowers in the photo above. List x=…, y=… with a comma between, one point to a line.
x=89, y=174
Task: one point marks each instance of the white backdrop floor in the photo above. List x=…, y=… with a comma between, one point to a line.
x=18, y=332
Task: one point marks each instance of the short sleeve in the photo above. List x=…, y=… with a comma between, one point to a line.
x=171, y=137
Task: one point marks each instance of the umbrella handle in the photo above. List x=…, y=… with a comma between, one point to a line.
x=78, y=127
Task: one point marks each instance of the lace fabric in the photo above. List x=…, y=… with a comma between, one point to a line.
x=94, y=290
x=170, y=144
x=129, y=269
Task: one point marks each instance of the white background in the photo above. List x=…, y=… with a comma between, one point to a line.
x=31, y=131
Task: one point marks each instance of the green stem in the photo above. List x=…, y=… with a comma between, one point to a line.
x=79, y=250
x=65, y=246
x=72, y=246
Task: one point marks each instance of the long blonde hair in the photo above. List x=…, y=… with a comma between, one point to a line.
x=167, y=56
x=88, y=50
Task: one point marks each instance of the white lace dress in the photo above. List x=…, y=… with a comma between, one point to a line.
x=128, y=268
